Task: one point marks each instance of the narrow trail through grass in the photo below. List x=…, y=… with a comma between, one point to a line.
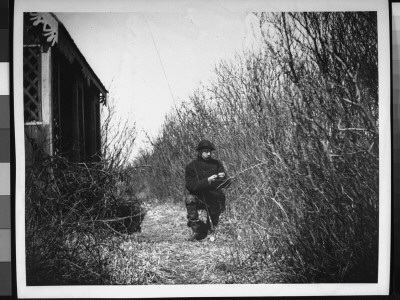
x=162, y=254
x=164, y=237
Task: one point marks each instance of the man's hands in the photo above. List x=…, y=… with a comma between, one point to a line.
x=214, y=177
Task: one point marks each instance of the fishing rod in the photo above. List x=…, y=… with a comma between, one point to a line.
x=219, y=186
x=239, y=173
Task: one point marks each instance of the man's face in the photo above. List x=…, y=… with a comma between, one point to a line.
x=205, y=154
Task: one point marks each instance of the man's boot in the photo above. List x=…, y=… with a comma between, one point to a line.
x=199, y=230
x=195, y=230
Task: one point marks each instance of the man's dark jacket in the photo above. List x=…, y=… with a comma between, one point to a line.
x=197, y=173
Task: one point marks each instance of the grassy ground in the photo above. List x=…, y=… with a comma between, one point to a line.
x=162, y=254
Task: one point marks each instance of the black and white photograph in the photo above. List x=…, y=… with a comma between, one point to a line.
x=202, y=148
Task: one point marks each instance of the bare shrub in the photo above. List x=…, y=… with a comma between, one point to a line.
x=72, y=212
x=118, y=136
x=77, y=214
x=297, y=125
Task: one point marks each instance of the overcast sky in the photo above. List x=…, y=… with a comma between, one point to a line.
x=122, y=50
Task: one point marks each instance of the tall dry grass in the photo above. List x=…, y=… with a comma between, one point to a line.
x=296, y=123
x=77, y=215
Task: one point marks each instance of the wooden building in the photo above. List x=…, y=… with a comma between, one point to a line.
x=62, y=94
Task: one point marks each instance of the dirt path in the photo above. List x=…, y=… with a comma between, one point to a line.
x=162, y=254
x=181, y=261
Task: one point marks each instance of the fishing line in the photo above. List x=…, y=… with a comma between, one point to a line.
x=239, y=173
x=161, y=63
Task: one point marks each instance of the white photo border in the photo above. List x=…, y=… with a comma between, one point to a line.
x=162, y=291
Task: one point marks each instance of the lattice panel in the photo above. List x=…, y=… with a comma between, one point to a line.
x=32, y=103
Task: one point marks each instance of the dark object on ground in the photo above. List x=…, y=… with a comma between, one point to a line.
x=200, y=230
x=133, y=217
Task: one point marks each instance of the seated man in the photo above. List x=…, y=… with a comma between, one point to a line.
x=204, y=178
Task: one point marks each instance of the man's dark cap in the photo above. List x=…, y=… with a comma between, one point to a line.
x=205, y=144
